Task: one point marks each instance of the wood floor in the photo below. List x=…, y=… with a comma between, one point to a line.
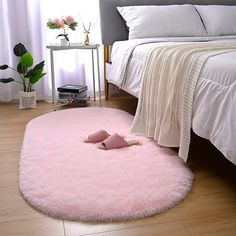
x=209, y=209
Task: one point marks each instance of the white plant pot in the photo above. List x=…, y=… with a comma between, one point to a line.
x=27, y=100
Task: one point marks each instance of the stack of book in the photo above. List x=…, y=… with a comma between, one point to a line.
x=73, y=94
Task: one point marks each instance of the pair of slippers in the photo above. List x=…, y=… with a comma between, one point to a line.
x=110, y=141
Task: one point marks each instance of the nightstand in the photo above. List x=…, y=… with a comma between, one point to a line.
x=92, y=48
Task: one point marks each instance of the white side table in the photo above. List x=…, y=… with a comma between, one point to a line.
x=91, y=47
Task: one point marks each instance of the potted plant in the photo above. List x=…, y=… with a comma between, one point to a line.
x=27, y=77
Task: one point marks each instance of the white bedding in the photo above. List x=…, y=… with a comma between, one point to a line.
x=215, y=95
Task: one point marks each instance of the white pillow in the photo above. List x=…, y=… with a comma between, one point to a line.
x=218, y=20
x=162, y=21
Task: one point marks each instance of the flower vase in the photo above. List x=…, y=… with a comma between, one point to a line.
x=64, y=38
x=64, y=42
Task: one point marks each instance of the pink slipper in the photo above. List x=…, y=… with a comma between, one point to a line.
x=96, y=137
x=116, y=141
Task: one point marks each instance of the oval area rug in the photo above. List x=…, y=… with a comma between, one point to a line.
x=64, y=177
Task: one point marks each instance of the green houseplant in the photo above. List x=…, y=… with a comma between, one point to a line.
x=27, y=76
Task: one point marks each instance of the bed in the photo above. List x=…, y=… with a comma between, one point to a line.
x=209, y=110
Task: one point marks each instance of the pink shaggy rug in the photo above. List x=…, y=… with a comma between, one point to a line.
x=64, y=177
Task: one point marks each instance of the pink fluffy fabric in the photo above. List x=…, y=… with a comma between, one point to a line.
x=64, y=177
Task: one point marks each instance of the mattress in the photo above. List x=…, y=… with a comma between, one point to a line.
x=214, y=97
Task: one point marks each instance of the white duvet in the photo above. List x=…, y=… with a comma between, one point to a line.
x=215, y=95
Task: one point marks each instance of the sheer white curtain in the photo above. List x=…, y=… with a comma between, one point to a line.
x=25, y=21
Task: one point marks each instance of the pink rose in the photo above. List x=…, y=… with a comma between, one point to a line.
x=56, y=21
x=61, y=24
x=69, y=20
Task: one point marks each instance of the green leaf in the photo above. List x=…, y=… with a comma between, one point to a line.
x=31, y=72
x=37, y=76
x=3, y=67
x=52, y=25
x=19, y=50
x=35, y=79
x=73, y=25
x=6, y=80
x=39, y=66
x=26, y=60
x=21, y=69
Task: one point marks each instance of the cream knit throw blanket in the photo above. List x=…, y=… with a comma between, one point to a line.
x=165, y=104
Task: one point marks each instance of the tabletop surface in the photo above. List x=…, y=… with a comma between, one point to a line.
x=72, y=46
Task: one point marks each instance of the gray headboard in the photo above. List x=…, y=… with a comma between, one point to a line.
x=113, y=27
